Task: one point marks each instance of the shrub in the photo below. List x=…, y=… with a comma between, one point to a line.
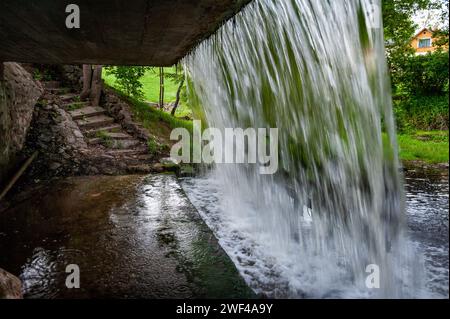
x=422, y=113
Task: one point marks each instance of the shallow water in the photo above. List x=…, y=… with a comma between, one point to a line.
x=139, y=237
x=427, y=208
x=131, y=236
x=275, y=274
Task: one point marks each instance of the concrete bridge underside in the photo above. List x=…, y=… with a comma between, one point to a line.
x=119, y=32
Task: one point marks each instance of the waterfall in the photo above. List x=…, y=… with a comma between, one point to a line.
x=315, y=70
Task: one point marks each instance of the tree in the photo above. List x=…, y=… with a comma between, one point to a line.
x=399, y=28
x=161, y=88
x=128, y=78
x=92, y=83
x=178, y=78
x=426, y=74
x=442, y=34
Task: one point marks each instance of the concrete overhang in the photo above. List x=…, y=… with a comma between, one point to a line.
x=117, y=32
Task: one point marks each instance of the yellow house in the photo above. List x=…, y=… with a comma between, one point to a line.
x=422, y=42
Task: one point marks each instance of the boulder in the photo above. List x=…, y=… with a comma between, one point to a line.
x=10, y=286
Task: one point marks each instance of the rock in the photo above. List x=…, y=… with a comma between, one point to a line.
x=187, y=170
x=18, y=96
x=158, y=168
x=170, y=164
x=54, y=166
x=169, y=161
x=10, y=286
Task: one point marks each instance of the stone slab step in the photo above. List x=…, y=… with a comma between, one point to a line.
x=85, y=112
x=61, y=91
x=119, y=136
x=114, y=144
x=95, y=122
x=127, y=152
x=69, y=96
x=115, y=136
x=93, y=132
x=75, y=105
x=51, y=84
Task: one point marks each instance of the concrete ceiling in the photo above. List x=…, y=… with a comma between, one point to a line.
x=118, y=32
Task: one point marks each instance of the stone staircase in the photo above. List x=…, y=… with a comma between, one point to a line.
x=103, y=134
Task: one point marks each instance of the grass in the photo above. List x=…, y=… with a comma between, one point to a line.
x=75, y=106
x=150, y=83
x=106, y=140
x=430, y=146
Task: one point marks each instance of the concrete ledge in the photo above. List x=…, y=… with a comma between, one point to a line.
x=120, y=32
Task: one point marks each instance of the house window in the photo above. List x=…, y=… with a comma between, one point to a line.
x=424, y=43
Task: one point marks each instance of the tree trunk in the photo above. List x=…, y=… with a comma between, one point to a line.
x=161, y=88
x=87, y=79
x=177, y=101
x=97, y=86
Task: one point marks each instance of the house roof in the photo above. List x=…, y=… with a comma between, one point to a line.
x=422, y=30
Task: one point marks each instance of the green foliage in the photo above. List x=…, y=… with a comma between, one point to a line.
x=425, y=74
x=442, y=35
x=150, y=88
x=105, y=139
x=399, y=28
x=421, y=95
x=75, y=106
x=44, y=75
x=154, y=147
x=128, y=79
x=422, y=113
x=148, y=115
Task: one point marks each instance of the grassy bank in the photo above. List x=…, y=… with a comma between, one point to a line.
x=430, y=146
x=150, y=83
x=157, y=122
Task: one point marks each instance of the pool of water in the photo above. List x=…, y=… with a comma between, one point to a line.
x=140, y=237
x=131, y=237
x=427, y=202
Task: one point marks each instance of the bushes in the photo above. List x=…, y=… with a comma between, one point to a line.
x=128, y=79
x=425, y=74
x=422, y=113
x=421, y=92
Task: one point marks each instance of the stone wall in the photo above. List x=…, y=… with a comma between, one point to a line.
x=18, y=96
x=121, y=112
x=72, y=76
x=60, y=142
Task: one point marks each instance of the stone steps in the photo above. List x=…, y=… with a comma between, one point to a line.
x=69, y=97
x=114, y=144
x=85, y=112
x=75, y=105
x=109, y=128
x=59, y=91
x=100, y=129
x=93, y=122
x=127, y=152
x=119, y=136
x=51, y=84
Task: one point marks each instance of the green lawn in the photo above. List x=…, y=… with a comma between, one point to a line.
x=150, y=82
x=430, y=146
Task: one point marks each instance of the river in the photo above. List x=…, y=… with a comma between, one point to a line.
x=140, y=237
